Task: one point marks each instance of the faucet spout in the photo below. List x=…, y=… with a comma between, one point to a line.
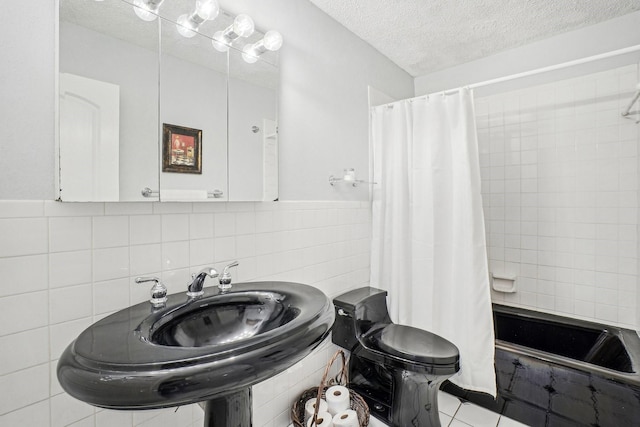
x=196, y=285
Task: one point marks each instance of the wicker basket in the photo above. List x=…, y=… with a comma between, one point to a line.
x=357, y=402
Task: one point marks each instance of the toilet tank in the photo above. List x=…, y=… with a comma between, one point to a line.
x=356, y=312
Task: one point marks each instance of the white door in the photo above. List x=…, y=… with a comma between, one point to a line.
x=89, y=139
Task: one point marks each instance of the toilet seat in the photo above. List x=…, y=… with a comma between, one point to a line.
x=415, y=345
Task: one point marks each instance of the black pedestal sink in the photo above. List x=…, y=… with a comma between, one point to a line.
x=212, y=348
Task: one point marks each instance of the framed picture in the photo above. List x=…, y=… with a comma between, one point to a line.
x=181, y=149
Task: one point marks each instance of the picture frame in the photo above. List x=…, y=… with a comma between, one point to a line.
x=181, y=149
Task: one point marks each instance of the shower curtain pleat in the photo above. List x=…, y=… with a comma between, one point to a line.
x=428, y=239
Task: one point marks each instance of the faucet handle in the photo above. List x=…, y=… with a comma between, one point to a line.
x=225, y=279
x=158, y=291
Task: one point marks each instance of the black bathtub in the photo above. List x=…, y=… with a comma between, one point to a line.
x=561, y=372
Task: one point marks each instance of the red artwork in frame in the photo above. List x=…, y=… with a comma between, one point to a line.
x=181, y=149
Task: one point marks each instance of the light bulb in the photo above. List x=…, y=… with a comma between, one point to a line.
x=272, y=40
x=146, y=10
x=220, y=42
x=243, y=25
x=249, y=54
x=185, y=26
x=207, y=9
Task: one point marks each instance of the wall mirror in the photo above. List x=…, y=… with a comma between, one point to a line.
x=253, y=129
x=193, y=111
x=148, y=104
x=108, y=102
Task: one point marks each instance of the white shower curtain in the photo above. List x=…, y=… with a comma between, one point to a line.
x=428, y=241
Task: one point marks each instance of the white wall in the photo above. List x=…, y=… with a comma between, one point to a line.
x=27, y=107
x=323, y=114
x=323, y=97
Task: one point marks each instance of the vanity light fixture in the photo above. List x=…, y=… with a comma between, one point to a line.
x=242, y=26
x=206, y=10
x=147, y=10
x=272, y=41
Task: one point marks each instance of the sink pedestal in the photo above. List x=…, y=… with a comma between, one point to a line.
x=230, y=410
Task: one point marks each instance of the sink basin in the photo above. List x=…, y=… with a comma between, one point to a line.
x=195, y=350
x=224, y=319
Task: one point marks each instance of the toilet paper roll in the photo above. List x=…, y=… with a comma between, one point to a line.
x=323, y=420
x=337, y=398
x=309, y=408
x=348, y=418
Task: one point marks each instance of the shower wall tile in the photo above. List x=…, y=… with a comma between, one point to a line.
x=111, y=263
x=559, y=168
x=29, y=348
x=13, y=271
x=37, y=414
x=128, y=208
x=55, y=209
x=23, y=236
x=175, y=227
x=66, y=266
x=15, y=307
x=70, y=303
x=28, y=386
x=145, y=229
x=110, y=231
x=145, y=259
x=69, y=234
x=21, y=209
x=200, y=226
x=65, y=410
x=113, y=418
x=110, y=296
x=69, y=268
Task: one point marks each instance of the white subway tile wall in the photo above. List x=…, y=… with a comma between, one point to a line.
x=559, y=168
x=65, y=266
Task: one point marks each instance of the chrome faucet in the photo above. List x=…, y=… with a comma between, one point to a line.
x=225, y=280
x=197, y=283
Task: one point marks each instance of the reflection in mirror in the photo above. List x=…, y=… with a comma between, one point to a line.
x=108, y=105
x=143, y=103
x=193, y=78
x=253, y=129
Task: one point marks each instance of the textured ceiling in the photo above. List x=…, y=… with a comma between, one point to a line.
x=423, y=36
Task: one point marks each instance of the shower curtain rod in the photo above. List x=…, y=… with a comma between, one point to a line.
x=510, y=77
x=560, y=66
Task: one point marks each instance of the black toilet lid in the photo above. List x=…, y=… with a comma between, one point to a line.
x=417, y=345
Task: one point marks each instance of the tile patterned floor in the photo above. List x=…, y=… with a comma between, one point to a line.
x=453, y=413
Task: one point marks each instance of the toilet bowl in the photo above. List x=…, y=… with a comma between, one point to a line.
x=397, y=369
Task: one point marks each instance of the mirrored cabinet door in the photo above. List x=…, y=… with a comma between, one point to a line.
x=253, y=125
x=108, y=102
x=151, y=109
x=193, y=111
